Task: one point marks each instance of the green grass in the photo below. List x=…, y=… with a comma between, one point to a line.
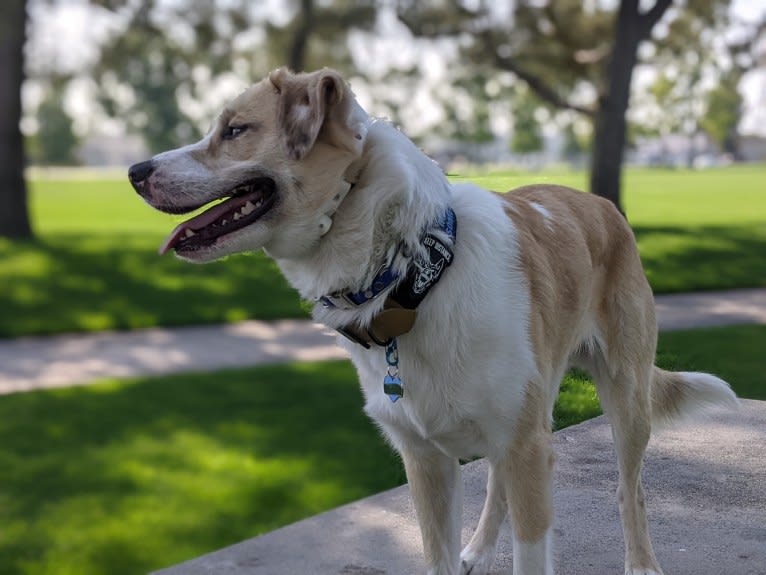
x=94, y=266
x=94, y=263
x=120, y=478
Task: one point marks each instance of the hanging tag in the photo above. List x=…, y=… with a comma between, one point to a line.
x=392, y=383
x=392, y=387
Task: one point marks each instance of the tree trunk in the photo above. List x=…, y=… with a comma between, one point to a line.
x=297, y=57
x=14, y=215
x=610, y=123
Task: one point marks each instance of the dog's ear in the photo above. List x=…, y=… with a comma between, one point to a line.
x=314, y=105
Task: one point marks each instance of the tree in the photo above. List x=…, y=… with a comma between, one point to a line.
x=160, y=82
x=575, y=145
x=723, y=111
x=14, y=214
x=526, y=137
x=315, y=36
x=56, y=142
x=145, y=71
x=573, y=55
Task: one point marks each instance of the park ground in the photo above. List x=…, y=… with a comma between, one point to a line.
x=124, y=476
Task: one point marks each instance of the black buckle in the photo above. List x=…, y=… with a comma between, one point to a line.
x=351, y=336
x=376, y=341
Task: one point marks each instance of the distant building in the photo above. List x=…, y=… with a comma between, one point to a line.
x=752, y=148
x=103, y=150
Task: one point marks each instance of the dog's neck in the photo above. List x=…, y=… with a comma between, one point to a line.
x=397, y=192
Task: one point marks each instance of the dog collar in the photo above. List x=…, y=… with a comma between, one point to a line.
x=399, y=311
x=325, y=220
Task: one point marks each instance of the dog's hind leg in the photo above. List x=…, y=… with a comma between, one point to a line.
x=625, y=398
x=478, y=555
x=437, y=493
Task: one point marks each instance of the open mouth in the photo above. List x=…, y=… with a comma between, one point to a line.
x=247, y=203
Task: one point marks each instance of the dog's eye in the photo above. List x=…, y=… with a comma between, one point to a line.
x=231, y=132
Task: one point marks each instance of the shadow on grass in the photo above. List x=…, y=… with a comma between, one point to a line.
x=703, y=258
x=79, y=282
x=82, y=283
x=122, y=478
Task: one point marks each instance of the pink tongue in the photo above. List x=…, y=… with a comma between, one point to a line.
x=204, y=219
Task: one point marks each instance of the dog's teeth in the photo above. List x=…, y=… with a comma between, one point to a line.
x=236, y=216
x=189, y=233
x=248, y=208
x=259, y=203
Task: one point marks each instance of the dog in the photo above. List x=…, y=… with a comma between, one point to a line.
x=462, y=308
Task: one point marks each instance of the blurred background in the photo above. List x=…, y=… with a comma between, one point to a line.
x=108, y=83
x=658, y=105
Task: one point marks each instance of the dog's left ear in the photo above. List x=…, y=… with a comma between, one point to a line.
x=318, y=106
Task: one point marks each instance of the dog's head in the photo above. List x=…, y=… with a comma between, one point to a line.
x=276, y=156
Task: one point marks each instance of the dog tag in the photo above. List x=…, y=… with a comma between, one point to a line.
x=393, y=388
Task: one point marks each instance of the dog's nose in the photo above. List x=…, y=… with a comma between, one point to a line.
x=137, y=173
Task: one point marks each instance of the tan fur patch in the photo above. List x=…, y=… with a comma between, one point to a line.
x=530, y=470
x=574, y=260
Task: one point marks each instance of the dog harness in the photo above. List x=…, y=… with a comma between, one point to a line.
x=400, y=308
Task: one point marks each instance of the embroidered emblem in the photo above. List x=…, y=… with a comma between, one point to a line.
x=428, y=273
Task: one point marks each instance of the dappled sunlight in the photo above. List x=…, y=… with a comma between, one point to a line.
x=82, y=282
x=158, y=471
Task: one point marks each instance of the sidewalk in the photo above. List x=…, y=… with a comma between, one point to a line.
x=65, y=360
x=705, y=494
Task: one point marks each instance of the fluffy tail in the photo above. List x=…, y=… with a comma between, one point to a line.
x=680, y=394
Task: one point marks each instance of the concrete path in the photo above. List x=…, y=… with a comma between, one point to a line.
x=44, y=362
x=705, y=489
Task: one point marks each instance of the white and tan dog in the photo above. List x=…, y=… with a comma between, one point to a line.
x=542, y=278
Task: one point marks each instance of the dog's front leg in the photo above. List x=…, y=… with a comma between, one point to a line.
x=437, y=492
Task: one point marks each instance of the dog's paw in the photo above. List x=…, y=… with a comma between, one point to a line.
x=476, y=563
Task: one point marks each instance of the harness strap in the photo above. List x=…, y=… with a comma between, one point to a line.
x=399, y=310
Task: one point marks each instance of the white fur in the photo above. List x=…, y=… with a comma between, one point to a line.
x=542, y=210
x=533, y=558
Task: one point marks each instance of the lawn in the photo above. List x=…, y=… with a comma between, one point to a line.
x=94, y=263
x=120, y=478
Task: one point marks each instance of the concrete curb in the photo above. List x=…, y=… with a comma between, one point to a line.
x=706, y=496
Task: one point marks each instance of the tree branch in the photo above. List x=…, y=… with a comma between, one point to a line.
x=536, y=84
x=649, y=19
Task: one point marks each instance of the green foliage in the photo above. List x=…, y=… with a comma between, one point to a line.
x=723, y=111
x=170, y=56
x=316, y=34
x=156, y=67
x=527, y=133
x=575, y=144
x=55, y=142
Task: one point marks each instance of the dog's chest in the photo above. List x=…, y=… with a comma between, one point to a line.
x=413, y=422
x=444, y=409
